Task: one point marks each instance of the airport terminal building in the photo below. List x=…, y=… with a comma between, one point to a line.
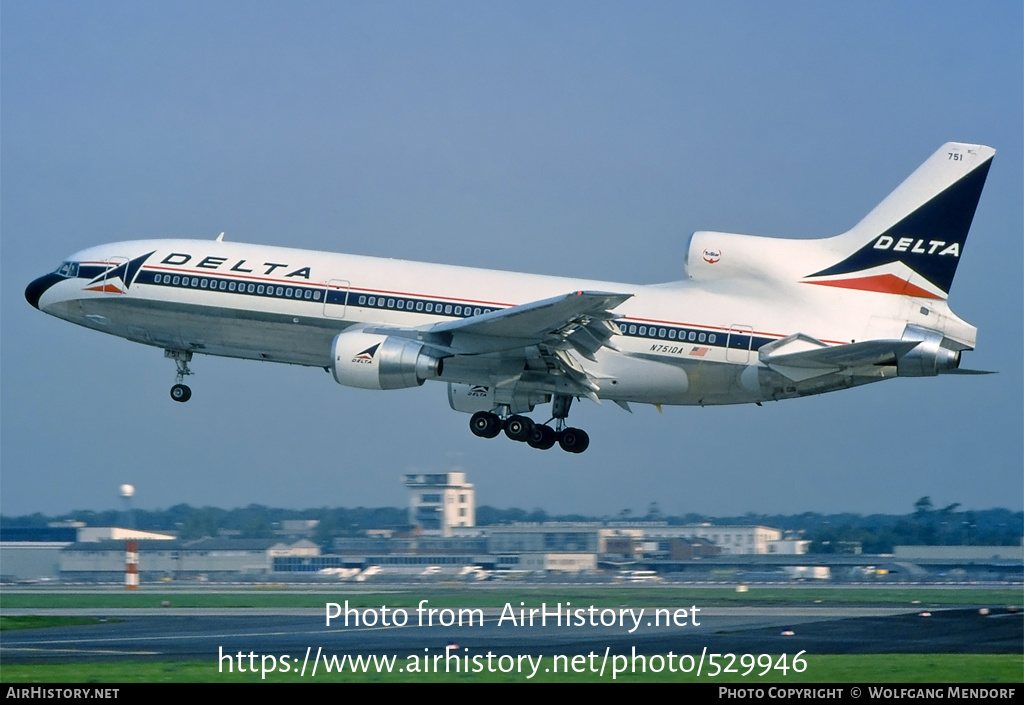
x=551, y=550
x=442, y=542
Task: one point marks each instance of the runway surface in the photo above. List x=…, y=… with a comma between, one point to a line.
x=205, y=634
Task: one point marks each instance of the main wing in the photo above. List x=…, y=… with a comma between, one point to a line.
x=581, y=321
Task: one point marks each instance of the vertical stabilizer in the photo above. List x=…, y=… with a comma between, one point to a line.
x=911, y=243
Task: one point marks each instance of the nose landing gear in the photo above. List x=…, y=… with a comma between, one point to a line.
x=180, y=392
x=488, y=424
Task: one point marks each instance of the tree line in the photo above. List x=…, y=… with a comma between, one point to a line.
x=828, y=533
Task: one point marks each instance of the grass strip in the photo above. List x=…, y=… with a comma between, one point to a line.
x=455, y=597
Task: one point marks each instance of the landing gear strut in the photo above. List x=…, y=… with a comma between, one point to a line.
x=488, y=424
x=180, y=392
x=572, y=440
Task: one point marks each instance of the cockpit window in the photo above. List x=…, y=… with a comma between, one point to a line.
x=68, y=269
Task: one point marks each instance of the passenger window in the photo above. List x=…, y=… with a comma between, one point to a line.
x=661, y=332
x=448, y=308
x=362, y=300
x=702, y=337
x=672, y=334
x=692, y=337
x=419, y=305
x=401, y=304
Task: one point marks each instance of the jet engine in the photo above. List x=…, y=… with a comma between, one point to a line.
x=931, y=356
x=369, y=361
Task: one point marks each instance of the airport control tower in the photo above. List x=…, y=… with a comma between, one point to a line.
x=439, y=501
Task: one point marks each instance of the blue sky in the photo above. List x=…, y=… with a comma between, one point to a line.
x=580, y=139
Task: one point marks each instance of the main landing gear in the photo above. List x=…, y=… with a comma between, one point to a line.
x=180, y=392
x=487, y=424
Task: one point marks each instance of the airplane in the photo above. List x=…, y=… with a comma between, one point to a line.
x=754, y=319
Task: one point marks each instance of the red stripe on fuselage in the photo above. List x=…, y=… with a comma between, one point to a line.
x=880, y=283
x=108, y=288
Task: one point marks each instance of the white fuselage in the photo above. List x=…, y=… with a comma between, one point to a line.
x=682, y=343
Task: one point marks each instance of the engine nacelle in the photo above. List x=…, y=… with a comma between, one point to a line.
x=371, y=361
x=930, y=357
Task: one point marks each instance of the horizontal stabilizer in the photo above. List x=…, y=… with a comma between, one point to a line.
x=801, y=357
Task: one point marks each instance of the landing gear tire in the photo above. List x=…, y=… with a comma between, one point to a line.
x=574, y=440
x=518, y=428
x=542, y=437
x=181, y=392
x=485, y=424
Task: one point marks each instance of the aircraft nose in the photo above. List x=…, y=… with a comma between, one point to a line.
x=39, y=286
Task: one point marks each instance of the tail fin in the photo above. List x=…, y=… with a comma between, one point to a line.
x=912, y=241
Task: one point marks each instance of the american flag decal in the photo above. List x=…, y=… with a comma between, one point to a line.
x=699, y=352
